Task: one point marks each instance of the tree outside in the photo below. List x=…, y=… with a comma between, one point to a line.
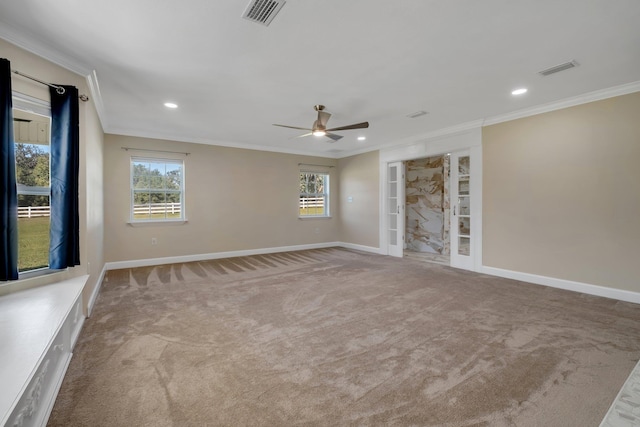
x=32, y=170
x=312, y=193
x=32, y=174
x=157, y=189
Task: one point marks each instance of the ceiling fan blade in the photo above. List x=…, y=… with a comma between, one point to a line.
x=291, y=127
x=323, y=117
x=333, y=136
x=362, y=125
x=306, y=134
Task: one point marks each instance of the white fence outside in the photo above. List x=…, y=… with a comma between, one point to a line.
x=154, y=208
x=311, y=202
x=157, y=208
x=33, y=211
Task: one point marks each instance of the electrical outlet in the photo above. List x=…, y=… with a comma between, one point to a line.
x=317, y=230
x=154, y=241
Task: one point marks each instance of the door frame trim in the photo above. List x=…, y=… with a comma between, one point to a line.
x=470, y=139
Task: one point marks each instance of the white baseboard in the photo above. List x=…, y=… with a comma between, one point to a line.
x=360, y=248
x=214, y=255
x=585, y=288
x=96, y=291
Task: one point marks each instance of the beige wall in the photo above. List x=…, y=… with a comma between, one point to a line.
x=359, y=178
x=92, y=181
x=91, y=157
x=235, y=199
x=561, y=194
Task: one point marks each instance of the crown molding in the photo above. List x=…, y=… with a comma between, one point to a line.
x=96, y=95
x=41, y=49
x=218, y=143
x=597, y=95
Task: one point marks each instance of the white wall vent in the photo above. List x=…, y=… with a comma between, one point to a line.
x=263, y=11
x=558, y=68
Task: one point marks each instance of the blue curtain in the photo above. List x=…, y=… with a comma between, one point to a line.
x=8, y=190
x=64, y=249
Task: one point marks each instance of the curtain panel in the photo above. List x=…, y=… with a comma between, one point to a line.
x=8, y=189
x=64, y=250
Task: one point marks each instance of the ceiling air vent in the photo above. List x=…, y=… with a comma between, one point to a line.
x=558, y=68
x=263, y=11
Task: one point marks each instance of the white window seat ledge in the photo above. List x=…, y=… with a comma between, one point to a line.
x=38, y=330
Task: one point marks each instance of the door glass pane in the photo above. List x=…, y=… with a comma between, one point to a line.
x=465, y=208
x=393, y=205
x=393, y=222
x=463, y=165
x=461, y=228
x=393, y=173
x=464, y=226
x=463, y=186
x=464, y=246
x=393, y=237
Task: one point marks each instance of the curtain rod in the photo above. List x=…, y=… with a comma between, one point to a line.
x=154, y=151
x=311, y=164
x=59, y=89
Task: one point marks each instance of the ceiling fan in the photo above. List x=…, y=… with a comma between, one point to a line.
x=319, y=127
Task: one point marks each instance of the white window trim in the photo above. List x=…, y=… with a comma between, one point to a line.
x=24, y=102
x=147, y=222
x=326, y=195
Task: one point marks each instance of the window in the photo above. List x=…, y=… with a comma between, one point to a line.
x=31, y=135
x=314, y=194
x=157, y=190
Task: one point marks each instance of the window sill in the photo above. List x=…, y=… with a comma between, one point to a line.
x=37, y=273
x=314, y=217
x=33, y=278
x=152, y=223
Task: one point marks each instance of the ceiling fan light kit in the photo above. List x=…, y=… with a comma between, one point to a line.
x=319, y=127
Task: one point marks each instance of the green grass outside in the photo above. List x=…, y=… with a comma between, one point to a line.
x=312, y=211
x=33, y=243
x=157, y=216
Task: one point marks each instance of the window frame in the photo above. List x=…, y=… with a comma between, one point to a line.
x=326, y=194
x=181, y=191
x=39, y=107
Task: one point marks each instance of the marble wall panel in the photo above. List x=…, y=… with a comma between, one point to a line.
x=427, y=224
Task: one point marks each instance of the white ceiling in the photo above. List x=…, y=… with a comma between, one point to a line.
x=366, y=60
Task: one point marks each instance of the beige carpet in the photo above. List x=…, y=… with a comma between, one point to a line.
x=337, y=337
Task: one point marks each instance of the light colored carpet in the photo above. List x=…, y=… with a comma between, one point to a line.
x=338, y=337
x=625, y=409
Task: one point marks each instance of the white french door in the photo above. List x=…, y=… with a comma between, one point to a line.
x=462, y=211
x=395, y=211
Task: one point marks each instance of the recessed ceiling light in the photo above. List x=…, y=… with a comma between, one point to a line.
x=519, y=91
x=362, y=138
x=171, y=105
